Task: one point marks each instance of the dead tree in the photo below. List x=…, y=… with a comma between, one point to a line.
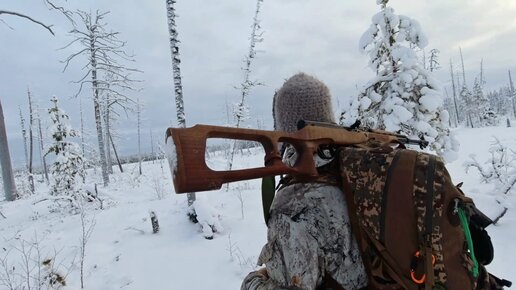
x=42, y=147
x=138, y=117
x=26, y=150
x=5, y=161
x=31, y=143
x=47, y=27
x=513, y=94
x=241, y=111
x=457, y=116
x=178, y=87
x=103, y=52
x=5, y=158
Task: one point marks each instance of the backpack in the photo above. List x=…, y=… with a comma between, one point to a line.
x=415, y=229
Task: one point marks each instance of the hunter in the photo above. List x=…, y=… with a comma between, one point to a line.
x=309, y=240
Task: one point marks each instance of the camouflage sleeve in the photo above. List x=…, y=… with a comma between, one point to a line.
x=291, y=257
x=309, y=236
x=257, y=281
x=294, y=258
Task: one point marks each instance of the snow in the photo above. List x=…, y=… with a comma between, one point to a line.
x=170, y=153
x=123, y=253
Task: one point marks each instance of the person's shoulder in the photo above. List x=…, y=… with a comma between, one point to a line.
x=299, y=196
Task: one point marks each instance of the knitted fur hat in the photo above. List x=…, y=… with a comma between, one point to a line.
x=302, y=97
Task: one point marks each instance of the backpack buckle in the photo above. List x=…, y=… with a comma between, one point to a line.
x=413, y=265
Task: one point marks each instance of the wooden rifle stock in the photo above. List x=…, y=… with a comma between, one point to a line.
x=191, y=172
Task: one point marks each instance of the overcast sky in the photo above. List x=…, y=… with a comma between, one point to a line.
x=319, y=37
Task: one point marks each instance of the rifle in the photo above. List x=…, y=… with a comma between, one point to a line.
x=190, y=172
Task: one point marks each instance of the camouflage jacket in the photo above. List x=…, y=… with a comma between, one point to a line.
x=309, y=237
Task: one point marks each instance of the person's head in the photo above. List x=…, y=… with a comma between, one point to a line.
x=302, y=97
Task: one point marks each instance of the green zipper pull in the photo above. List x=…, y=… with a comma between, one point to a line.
x=465, y=226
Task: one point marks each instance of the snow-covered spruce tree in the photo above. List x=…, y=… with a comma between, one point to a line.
x=448, y=105
x=403, y=97
x=467, y=104
x=481, y=109
x=67, y=170
x=500, y=101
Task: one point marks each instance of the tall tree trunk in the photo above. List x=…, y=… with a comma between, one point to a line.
x=513, y=94
x=139, y=138
x=107, y=119
x=482, y=72
x=25, y=149
x=5, y=162
x=82, y=142
x=457, y=117
x=178, y=88
x=43, y=156
x=463, y=70
x=98, y=115
x=31, y=143
x=116, y=154
x=154, y=156
x=24, y=138
x=247, y=83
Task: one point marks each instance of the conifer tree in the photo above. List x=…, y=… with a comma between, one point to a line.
x=67, y=170
x=403, y=97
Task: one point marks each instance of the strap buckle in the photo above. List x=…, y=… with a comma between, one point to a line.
x=413, y=265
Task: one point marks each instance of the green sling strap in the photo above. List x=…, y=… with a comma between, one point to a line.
x=268, y=191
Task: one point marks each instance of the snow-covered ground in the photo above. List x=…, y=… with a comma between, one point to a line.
x=123, y=253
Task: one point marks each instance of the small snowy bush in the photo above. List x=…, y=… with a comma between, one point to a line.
x=499, y=170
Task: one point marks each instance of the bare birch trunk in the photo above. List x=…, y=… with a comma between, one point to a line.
x=82, y=142
x=98, y=116
x=152, y=146
x=116, y=154
x=25, y=148
x=5, y=162
x=247, y=83
x=463, y=70
x=31, y=144
x=107, y=117
x=513, y=94
x=139, y=138
x=457, y=116
x=42, y=147
x=178, y=88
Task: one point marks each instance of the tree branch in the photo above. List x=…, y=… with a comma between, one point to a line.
x=29, y=18
x=68, y=14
